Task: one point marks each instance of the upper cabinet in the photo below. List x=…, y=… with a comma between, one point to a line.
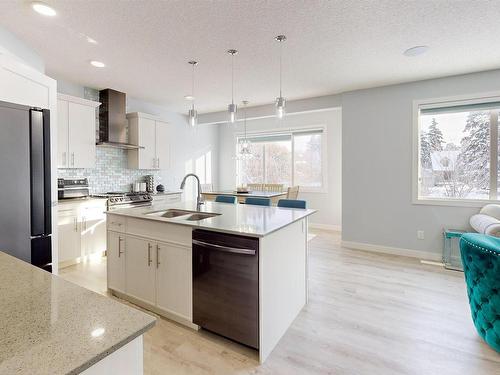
x=153, y=136
x=76, y=132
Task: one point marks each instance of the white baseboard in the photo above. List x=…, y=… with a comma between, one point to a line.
x=392, y=250
x=335, y=228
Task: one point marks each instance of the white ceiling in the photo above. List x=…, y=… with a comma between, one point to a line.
x=332, y=46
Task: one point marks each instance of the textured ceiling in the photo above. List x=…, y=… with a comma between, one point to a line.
x=332, y=46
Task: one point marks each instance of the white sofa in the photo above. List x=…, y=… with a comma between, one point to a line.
x=487, y=221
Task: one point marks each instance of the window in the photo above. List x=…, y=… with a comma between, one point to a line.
x=458, y=150
x=291, y=158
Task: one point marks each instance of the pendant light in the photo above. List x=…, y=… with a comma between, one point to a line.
x=232, y=108
x=245, y=152
x=280, y=100
x=192, y=114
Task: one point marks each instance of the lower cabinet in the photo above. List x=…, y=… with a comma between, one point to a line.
x=116, y=254
x=93, y=221
x=68, y=238
x=154, y=272
x=174, y=280
x=140, y=269
x=81, y=229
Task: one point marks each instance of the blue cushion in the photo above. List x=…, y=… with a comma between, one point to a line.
x=258, y=201
x=481, y=260
x=225, y=199
x=291, y=203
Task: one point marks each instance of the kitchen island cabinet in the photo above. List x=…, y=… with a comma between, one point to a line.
x=159, y=261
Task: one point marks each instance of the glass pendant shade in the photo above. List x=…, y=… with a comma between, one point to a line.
x=232, y=109
x=280, y=107
x=193, y=117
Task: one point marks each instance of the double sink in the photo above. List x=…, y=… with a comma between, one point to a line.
x=183, y=214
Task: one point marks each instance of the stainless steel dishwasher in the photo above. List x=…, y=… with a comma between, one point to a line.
x=226, y=285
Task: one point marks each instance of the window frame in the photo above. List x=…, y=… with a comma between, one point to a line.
x=291, y=130
x=439, y=102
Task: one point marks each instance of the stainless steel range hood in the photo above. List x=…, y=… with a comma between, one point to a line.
x=112, y=121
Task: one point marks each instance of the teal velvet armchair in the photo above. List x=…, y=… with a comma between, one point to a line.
x=481, y=260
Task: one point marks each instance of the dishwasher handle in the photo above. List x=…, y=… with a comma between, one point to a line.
x=226, y=249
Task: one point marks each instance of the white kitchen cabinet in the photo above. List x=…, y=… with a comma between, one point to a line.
x=151, y=134
x=162, y=145
x=93, y=230
x=174, y=280
x=166, y=198
x=62, y=133
x=82, y=229
x=68, y=235
x=140, y=269
x=76, y=132
x=116, y=255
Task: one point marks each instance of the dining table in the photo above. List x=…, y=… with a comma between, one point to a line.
x=274, y=196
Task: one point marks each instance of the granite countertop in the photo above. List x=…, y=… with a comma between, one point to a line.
x=250, y=220
x=51, y=326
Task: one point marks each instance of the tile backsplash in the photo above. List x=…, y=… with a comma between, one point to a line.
x=111, y=172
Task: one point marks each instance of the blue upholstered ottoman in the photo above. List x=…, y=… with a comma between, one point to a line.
x=481, y=260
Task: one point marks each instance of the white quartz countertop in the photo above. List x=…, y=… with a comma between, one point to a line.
x=167, y=192
x=250, y=220
x=51, y=326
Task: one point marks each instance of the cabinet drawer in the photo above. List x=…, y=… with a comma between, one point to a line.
x=116, y=223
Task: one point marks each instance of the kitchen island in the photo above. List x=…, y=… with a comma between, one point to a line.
x=51, y=326
x=212, y=266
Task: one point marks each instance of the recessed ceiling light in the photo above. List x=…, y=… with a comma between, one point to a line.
x=189, y=97
x=97, y=64
x=43, y=9
x=416, y=51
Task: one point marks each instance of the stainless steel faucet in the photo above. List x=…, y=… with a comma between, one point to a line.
x=199, y=200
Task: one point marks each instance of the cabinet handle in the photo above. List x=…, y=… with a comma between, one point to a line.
x=76, y=224
x=73, y=159
x=149, y=254
x=157, y=256
x=158, y=162
x=64, y=158
x=120, y=252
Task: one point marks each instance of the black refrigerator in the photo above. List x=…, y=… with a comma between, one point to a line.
x=25, y=188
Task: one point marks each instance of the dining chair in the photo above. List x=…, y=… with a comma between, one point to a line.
x=258, y=201
x=291, y=203
x=255, y=187
x=273, y=187
x=292, y=192
x=225, y=199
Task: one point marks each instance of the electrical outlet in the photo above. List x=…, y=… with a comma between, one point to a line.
x=420, y=234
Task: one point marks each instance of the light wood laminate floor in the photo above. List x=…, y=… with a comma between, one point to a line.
x=367, y=314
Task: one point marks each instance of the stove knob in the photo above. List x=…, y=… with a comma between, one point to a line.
x=111, y=200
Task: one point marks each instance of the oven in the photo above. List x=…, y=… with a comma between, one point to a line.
x=72, y=188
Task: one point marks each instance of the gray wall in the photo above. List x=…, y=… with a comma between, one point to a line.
x=377, y=164
x=12, y=45
x=329, y=203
